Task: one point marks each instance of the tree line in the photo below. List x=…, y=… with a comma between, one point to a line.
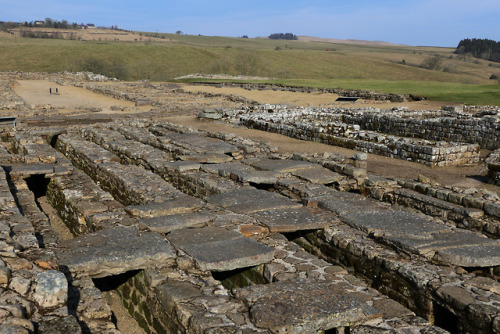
x=480, y=48
x=287, y=36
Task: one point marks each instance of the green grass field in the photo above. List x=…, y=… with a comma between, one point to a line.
x=382, y=68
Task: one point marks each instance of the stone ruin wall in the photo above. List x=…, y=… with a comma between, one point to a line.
x=484, y=131
x=111, y=177
x=364, y=94
x=330, y=127
x=119, y=183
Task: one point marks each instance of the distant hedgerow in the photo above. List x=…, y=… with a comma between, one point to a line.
x=287, y=36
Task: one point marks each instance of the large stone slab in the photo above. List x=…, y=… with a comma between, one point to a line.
x=201, y=144
x=217, y=249
x=483, y=255
x=346, y=206
x=182, y=204
x=290, y=220
x=114, y=251
x=318, y=174
x=392, y=223
x=428, y=244
x=248, y=200
x=304, y=307
x=206, y=158
x=165, y=224
x=282, y=166
x=25, y=170
x=204, y=235
x=242, y=173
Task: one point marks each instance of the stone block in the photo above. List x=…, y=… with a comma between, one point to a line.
x=354, y=172
x=51, y=289
x=182, y=204
x=114, y=251
x=290, y=220
x=218, y=249
x=471, y=256
x=229, y=255
x=456, y=296
x=204, y=235
x=166, y=224
x=206, y=158
x=59, y=325
x=392, y=223
x=304, y=307
x=492, y=209
x=171, y=293
x=347, y=206
x=282, y=166
x=318, y=175
x=248, y=200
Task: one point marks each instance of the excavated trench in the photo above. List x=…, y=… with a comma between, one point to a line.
x=131, y=285
x=38, y=185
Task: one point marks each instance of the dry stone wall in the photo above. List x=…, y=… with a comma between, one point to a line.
x=324, y=127
x=463, y=128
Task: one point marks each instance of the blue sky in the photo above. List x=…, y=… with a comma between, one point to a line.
x=417, y=22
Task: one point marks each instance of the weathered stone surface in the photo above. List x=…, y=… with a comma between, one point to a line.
x=201, y=144
x=13, y=329
x=182, y=204
x=26, y=170
x=114, y=251
x=172, y=293
x=290, y=220
x=59, y=325
x=300, y=307
x=242, y=173
x=5, y=276
x=346, y=206
x=51, y=289
x=392, y=223
x=318, y=174
x=20, y=284
x=254, y=176
x=471, y=255
x=486, y=283
x=218, y=249
x=204, y=235
x=206, y=158
x=456, y=296
x=230, y=255
x=391, y=309
x=179, y=166
x=165, y=224
x=249, y=200
x=282, y=166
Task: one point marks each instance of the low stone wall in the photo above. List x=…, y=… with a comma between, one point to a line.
x=364, y=94
x=463, y=128
x=466, y=208
x=338, y=134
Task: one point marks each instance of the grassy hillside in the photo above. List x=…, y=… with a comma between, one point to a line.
x=384, y=68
